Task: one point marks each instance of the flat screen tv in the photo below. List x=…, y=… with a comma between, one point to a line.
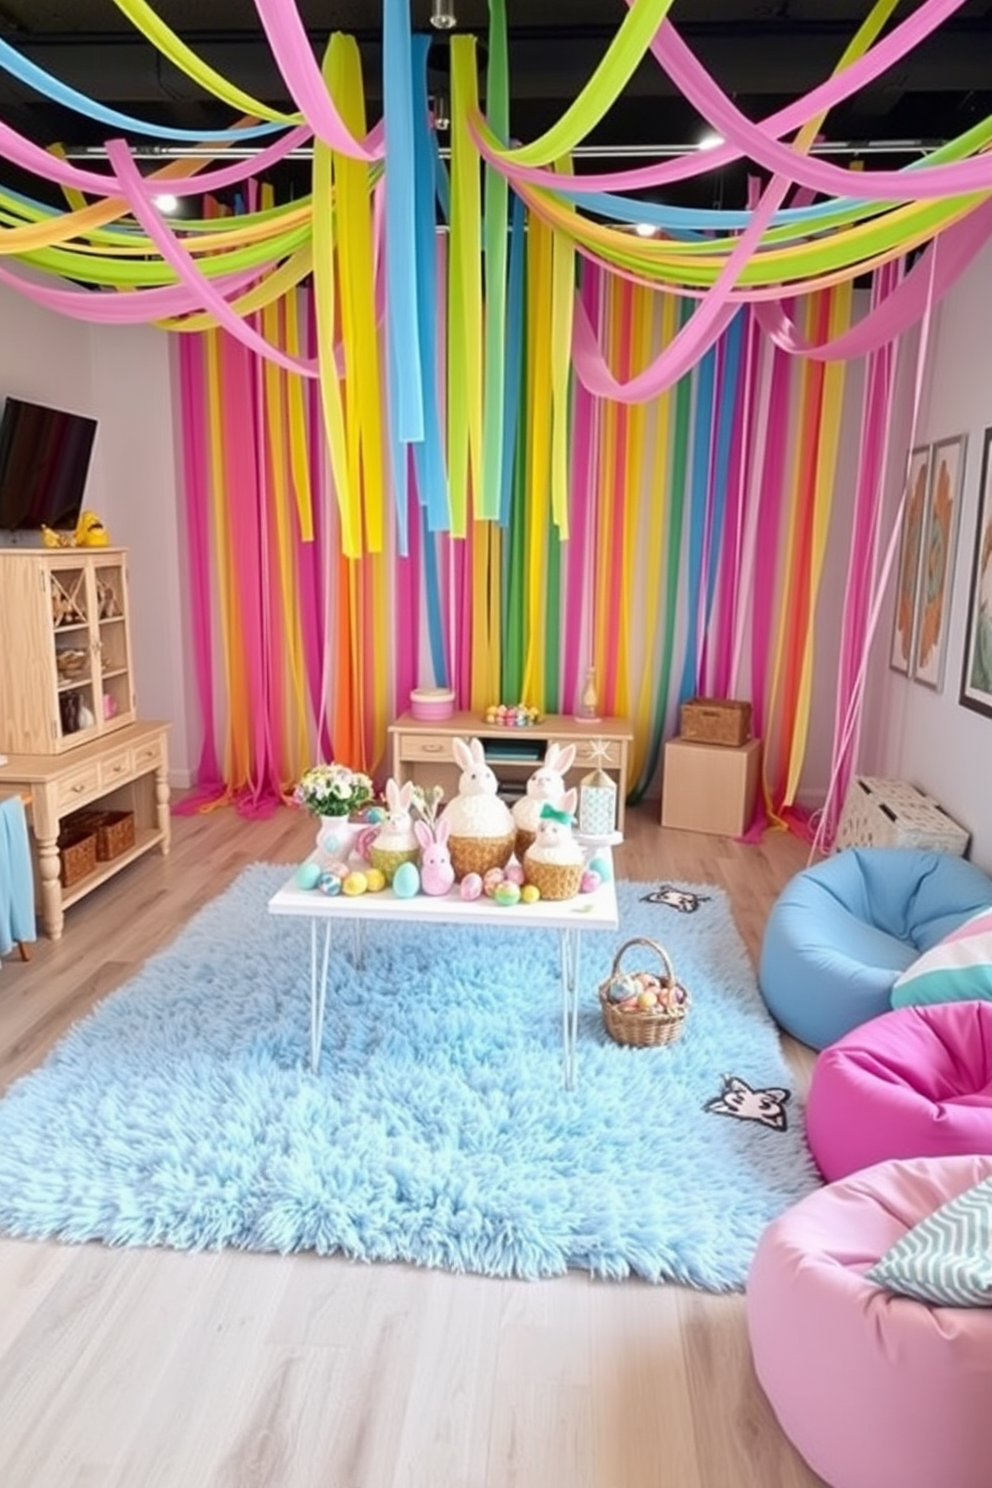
x=44, y=461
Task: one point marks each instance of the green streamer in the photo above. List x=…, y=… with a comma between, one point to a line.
x=496, y=234
x=552, y=630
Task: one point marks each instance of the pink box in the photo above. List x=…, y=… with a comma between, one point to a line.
x=432, y=704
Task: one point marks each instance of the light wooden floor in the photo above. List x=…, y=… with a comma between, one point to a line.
x=156, y=1369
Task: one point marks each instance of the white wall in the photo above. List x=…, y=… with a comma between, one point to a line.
x=121, y=377
x=912, y=732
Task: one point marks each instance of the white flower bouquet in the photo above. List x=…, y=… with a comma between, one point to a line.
x=333, y=790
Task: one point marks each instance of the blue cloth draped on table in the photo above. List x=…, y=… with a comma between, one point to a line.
x=16, y=876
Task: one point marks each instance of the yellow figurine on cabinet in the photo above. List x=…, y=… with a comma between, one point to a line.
x=90, y=531
x=52, y=539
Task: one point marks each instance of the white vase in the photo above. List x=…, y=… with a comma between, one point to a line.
x=336, y=837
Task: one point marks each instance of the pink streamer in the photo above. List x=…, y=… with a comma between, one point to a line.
x=30, y=157
x=196, y=501
x=294, y=56
x=139, y=196
x=112, y=308
x=406, y=617
x=584, y=457
x=891, y=49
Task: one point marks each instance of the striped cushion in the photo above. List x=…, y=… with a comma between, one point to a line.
x=957, y=967
x=947, y=1258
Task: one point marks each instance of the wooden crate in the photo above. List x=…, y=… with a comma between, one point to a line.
x=716, y=721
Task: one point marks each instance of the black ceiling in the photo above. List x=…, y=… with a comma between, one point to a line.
x=764, y=54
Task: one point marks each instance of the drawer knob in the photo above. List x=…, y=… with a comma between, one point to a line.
x=433, y=748
x=79, y=786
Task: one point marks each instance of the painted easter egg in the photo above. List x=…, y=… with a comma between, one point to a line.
x=355, y=884
x=470, y=886
x=375, y=880
x=514, y=873
x=406, y=881
x=376, y=815
x=507, y=892
x=330, y=884
x=602, y=867
x=492, y=881
x=308, y=875
x=590, y=882
x=530, y=894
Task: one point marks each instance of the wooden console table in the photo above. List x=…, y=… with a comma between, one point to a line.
x=124, y=770
x=422, y=752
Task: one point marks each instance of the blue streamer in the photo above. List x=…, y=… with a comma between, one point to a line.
x=702, y=434
x=57, y=92
x=629, y=209
x=731, y=345
x=428, y=453
x=432, y=591
x=514, y=356
x=405, y=379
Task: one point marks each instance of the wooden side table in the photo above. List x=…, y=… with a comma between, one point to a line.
x=710, y=787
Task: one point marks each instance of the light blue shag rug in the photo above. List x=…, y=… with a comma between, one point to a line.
x=182, y=1111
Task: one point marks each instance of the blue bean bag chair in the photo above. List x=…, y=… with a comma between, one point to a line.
x=841, y=932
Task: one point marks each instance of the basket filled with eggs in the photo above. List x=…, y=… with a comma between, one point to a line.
x=646, y=1007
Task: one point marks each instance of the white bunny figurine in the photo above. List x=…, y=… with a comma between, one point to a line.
x=480, y=824
x=555, y=861
x=546, y=784
x=436, y=871
x=396, y=841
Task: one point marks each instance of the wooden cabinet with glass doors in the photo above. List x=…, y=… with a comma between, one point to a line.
x=65, y=661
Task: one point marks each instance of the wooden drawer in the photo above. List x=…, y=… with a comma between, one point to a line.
x=80, y=784
x=609, y=759
x=426, y=747
x=116, y=767
x=146, y=755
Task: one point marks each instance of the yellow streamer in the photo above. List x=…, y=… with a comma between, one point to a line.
x=296, y=410
x=539, y=296
x=562, y=309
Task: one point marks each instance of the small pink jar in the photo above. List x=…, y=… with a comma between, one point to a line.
x=432, y=704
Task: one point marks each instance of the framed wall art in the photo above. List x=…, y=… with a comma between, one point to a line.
x=910, y=551
x=940, y=537
x=976, y=677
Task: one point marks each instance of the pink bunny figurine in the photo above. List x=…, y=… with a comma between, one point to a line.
x=436, y=872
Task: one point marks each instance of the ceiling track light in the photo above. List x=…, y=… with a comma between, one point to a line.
x=443, y=16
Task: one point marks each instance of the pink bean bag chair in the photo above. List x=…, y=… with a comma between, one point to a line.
x=875, y=1390
x=915, y=1082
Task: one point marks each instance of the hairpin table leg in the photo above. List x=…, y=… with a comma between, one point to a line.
x=318, y=991
x=569, y=943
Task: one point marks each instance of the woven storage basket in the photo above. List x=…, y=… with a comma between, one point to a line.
x=644, y=1027
x=113, y=830
x=77, y=855
x=716, y=721
x=479, y=854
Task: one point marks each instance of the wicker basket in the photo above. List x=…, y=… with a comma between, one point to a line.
x=479, y=854
x=555, y=880
x=716, y=721
x=114, y=834
x=388, y=859
x=77, y=854
x=644, y=1027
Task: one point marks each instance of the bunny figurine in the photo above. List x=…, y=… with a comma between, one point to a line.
x=554, y=862
x=546, y=784
x=480, y=825
x=436, y=871
x=396, y=841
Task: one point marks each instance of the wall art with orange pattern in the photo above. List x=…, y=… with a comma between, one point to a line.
x=940, y=537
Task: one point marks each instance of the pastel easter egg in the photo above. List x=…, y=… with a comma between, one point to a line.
x=329, y=884
x=602, y=867
x=470, y=886
x=340, y=870
x=308, y=875
x=406, y=881
x=507, y=893
x=376, y=815
x=590, y=881
x=355, y=884
x=492, y=881
x=375, y=880
x=530, y=894
x=364, y=841
x=513, y=873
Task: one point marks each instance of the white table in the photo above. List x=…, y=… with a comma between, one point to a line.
x=569, y=917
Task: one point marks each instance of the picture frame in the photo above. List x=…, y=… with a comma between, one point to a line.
x=939, y=549
x=910, y=555
x=976, y=674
